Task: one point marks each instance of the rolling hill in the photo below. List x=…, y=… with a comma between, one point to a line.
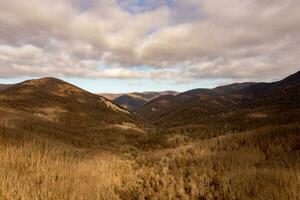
x=129, y=101
x=285, y=93
x=208, y=101
x=133, y=101
x=201, y=103
x=239, y=141
x=60, y=101
x=61, y=111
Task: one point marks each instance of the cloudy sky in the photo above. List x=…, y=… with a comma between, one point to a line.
x=136, y=45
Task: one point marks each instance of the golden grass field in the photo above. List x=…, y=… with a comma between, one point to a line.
x=257, y=164
x=74, y=145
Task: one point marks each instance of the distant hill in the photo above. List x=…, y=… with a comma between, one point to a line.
x=110, y=96
x=220, y=90
x=284, y=93
x=220, y=96
x=194, y=104
x=132, y=101
x=4, y=86
x=232, y=88
x=239, y=141
x=61, y=102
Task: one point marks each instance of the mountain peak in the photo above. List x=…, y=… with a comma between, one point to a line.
x=51, y=86
x=43, y=81
x=54, y=99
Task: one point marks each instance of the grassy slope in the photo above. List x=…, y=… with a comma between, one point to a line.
x=59, y=102
x=261, y=162
x=133, y=101
x=251, y=153
x=174, y=110
x=129, y=102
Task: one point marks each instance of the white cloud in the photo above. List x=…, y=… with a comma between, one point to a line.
x=189, y=40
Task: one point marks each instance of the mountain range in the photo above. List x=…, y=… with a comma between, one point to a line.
x=56, y=98
x=58, y=109
x=132, y=101
x=172, y=106
x=238, y=141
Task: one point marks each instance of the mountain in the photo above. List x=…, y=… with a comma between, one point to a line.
x=220, y=90
x=222, y=96
x=257, y=89
x=201, y=103
x=132, y=101
x=151, y=95
x=110, y=96
x=232, y=88
x=61, y=102
x=60, y=142
x=284, y=93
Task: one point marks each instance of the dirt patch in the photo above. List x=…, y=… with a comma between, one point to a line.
x=257, y=115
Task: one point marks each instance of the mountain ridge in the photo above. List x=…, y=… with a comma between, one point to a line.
x=65, y=102
x=231, y=97
x=58, y=137
x=132, y=101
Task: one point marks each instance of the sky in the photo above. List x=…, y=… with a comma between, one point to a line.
x=149, y=45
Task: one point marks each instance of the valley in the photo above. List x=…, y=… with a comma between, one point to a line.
x=239, y=141
x=132, y=101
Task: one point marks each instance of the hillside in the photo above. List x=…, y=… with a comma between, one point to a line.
x=132, y=101
x=4, y=86
x=284, y=93
x=58, y=141
x=56, y=109
x=201, y=103
x=210, y=101
x=110, y=96
x=60, y=101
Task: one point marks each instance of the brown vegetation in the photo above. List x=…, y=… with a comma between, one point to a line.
x=76, y=146
x=258, y=164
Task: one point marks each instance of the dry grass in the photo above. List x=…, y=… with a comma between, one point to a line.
x=43, y=169
x=76, y=147
x=260, y=164
x=256, y=159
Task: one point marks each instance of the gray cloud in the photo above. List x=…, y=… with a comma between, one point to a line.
x=189, y=40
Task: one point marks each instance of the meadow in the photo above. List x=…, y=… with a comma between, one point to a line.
x=261, y=162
